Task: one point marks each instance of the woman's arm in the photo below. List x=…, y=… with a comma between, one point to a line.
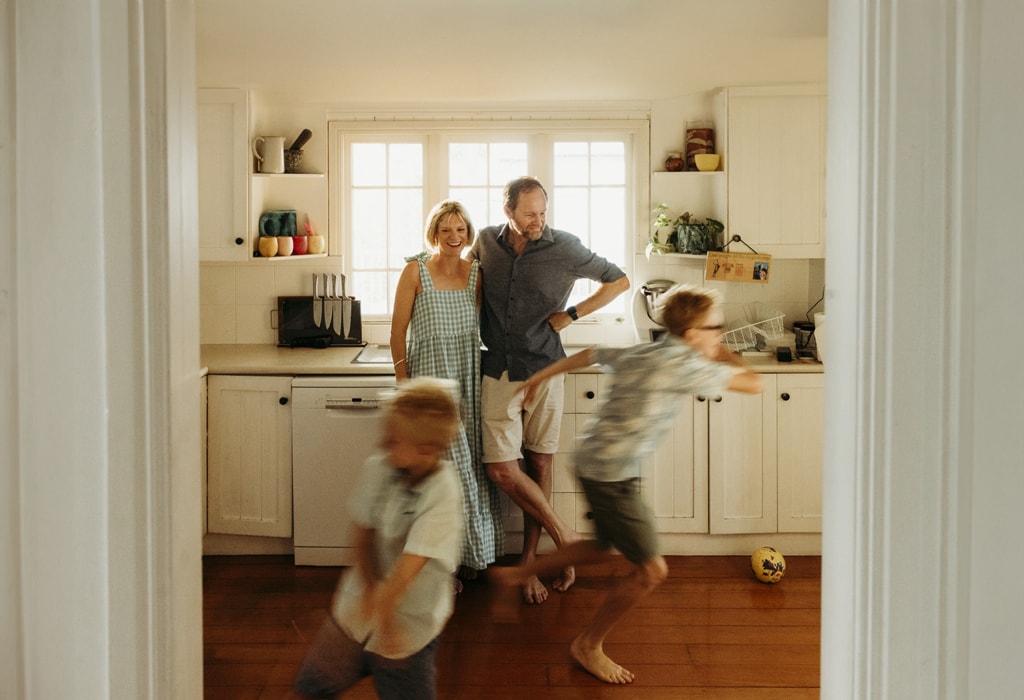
x=405, y=294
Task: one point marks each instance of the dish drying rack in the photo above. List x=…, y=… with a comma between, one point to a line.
x=763, y=324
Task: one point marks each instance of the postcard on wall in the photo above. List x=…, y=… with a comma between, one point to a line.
x=723, y=266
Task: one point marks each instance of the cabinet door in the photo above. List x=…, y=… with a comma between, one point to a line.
x=223, y=159
x=675, y=477
x=776, y=171
x=250, y=456
x=742, y=461
x=801, y=404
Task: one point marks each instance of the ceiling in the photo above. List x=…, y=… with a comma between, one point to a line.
x=493, y=51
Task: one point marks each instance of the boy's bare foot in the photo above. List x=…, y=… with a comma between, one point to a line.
x=565, y=581
x=597, y=663
x=534, y=591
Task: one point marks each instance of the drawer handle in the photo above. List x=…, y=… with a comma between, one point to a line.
x=283, y=400
x=239, y=241
x=785, y=396
x=589, y=394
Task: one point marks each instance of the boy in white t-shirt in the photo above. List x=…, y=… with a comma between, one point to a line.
x=651, y=380
x=389, y=609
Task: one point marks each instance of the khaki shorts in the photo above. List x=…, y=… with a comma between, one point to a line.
x=622, y=519
x=509, y=427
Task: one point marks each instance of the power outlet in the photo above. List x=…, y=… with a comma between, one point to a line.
x=783, y=354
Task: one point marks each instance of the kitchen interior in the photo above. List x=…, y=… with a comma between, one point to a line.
x=754, y=77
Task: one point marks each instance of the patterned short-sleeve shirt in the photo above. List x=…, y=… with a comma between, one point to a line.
x=650, y=381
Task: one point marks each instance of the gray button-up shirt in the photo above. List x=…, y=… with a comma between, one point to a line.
x=521, y=291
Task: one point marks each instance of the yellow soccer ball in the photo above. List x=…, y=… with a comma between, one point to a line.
x=769, y=565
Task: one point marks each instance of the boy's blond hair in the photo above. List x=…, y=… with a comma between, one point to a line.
x=429, y=405
x=684, y=306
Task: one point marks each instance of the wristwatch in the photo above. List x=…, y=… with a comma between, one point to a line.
x=572, y=313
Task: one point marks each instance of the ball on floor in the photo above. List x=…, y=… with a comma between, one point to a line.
x=768, y=564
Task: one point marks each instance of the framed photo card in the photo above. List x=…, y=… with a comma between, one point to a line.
x=723, y=266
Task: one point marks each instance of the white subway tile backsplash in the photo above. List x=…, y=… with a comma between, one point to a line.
x=254, y=284
x=216, y=284
x=253, y=323
x=217, y=323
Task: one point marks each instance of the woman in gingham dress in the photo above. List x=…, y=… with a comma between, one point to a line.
x=435, y=331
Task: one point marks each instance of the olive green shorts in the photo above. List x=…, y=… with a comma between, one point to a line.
x=621, y=518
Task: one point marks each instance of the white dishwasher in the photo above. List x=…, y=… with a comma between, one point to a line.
x=335, y=426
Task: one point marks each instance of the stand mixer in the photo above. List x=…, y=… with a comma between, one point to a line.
x=645, y=304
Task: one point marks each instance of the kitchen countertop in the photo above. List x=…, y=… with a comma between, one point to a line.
x=273, y=360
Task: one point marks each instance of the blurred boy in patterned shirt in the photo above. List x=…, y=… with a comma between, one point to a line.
x=651, y=381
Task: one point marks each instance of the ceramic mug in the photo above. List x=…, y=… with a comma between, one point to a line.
x=316, y=244
x=284, y=245
x=300, y=245
x=268, y=246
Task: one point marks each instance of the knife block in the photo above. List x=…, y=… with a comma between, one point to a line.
x=296, y=328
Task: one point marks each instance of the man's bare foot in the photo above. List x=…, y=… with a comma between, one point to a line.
x=597, y=663
x=565, y=581
x=534, y=591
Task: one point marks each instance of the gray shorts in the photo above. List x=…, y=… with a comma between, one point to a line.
x=621, y=518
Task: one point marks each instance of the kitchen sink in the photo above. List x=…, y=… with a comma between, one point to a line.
x=374, y=354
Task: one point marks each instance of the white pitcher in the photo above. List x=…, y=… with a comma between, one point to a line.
x=271, y=160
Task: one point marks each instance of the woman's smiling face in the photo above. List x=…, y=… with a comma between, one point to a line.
x=452, y=234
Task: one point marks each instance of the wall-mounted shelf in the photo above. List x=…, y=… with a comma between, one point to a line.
x=304, y=256
x=289, y=176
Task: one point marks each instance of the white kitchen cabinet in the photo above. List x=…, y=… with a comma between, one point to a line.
x=800, y=448
x=742, y=461
x=249, y=456
x=203, y=441
x=776, y=169
x=674, y=479
x=223, y=160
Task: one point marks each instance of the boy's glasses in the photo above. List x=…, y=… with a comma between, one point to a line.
x=720, y=327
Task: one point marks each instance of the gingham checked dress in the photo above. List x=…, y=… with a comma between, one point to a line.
x=444, y=341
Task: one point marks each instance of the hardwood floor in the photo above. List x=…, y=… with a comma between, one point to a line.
x=710, y=631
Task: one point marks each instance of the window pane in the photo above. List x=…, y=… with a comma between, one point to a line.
x=608, y=219
x=508, y=161
x=405, y=225
x=369, y=228
x=372, y=290
x=369, y=165
x=405, y=162
x=608, y=163
x=467, y=164
x=573, y=212
x=572, y=166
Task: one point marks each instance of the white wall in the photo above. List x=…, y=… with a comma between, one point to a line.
x=922, y=553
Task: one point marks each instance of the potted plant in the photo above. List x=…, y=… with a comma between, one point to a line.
x=687, y=234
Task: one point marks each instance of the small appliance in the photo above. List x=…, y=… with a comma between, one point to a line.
x=645, y=304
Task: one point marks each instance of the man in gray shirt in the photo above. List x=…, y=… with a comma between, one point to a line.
x=528, y=273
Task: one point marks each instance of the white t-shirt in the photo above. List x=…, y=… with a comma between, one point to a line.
x=425, y=520
x=650, y=382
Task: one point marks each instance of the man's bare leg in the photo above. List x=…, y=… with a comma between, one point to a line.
x=539, y=467
x=529, y=495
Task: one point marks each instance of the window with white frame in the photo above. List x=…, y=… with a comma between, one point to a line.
x=386, y=176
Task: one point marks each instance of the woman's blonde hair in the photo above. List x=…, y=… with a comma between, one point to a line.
x=441, y=211
x=430, y=406
x=684, y=306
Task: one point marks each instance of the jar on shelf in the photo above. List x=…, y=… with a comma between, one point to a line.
x=675, y=162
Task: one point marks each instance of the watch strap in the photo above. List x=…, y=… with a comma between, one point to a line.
x=572, y=313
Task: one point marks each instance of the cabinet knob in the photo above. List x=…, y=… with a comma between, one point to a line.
x=702, y=399
x=590, y=515
x=718, y=399
x=283, y=400
x=589, y=394
x=239, y=241
x=784, y=396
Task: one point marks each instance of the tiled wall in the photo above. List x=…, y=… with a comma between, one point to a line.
x=238, y=300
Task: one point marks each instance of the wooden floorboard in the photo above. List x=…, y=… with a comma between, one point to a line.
x=710, y=631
